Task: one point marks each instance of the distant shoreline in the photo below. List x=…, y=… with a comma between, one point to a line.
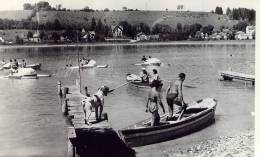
x=221, y=42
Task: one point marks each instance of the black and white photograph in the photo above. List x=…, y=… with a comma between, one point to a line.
x=124, y=78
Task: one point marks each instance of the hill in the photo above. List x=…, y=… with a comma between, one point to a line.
x=150, y=18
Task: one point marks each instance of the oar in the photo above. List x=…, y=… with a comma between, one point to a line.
x=184, y=85
x=119, y=86
x=182, y=112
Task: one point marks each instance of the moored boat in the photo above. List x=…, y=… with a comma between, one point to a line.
x=197, y=115
x=35, y=66
x=23, y=73
x=150, y=61
x=136, y=80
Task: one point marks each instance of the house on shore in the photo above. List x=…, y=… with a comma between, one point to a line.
x=142, y=37
x=117, y=31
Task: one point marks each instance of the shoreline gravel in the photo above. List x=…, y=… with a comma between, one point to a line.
x=241, y=145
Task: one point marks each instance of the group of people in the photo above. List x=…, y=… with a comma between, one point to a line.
x=174, y=96
x=84, y=61
x=143, y=59
x=14, y=65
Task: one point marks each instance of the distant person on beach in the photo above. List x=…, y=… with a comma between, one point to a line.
x=152, y=103
x=143, y=59
x=156, y=78
x=95, y=102
x=23, y=65
x=174, y=94
x=144, y=76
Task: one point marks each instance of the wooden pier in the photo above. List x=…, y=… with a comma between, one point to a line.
x=94, y=138
x=230, y=75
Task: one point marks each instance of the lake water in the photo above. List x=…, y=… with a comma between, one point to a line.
x=30, y=115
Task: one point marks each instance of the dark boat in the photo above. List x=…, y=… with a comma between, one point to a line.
x=198, y=115
x=36, y=66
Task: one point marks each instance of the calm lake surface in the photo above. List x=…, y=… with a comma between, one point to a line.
x=30, y=115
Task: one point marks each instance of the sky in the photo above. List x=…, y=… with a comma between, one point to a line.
x=191, y=5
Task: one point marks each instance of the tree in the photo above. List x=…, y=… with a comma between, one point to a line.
x=93, y=24
x=179, y=27
x=28, y=6
x=219, y=10
x=106, y=9
x=87, y=9
x=29, y=35
x=55, y=36
x=100, y=27
x=124, y=8
x=228, y=11
x=241, y=26
x=43, y=5
x=57, y=25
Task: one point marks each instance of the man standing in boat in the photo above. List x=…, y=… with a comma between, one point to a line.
x=174, y=94
x=23, y=65
x=152, y=103
x=156, y=78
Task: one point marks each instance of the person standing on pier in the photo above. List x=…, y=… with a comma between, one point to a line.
x=95, y=101
x=174, y=94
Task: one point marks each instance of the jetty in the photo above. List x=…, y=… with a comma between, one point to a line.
x=95, y=138
x=230, y=75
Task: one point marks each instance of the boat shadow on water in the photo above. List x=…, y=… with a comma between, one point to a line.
x=103, y=142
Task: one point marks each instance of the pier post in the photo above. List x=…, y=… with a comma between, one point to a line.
x=64, y=107
x=86, y=90
x=59, y=88
x=71, y=147
x=65, y=91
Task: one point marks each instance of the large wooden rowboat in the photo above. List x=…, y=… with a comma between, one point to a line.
x=198, y=115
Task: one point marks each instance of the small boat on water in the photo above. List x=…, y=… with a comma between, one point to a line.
x=150, y=61
x=197, y=115
x=23, y=73
x=91, y=64
x=36, y=66
x=136, y=80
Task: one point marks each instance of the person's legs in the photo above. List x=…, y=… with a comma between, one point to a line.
x=170, y=101
x=100, y=111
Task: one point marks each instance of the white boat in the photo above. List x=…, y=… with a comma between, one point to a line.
x=23, y=73
x=151, y=61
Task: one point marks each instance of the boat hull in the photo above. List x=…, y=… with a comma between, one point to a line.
x=34, y=66
x=149, y=135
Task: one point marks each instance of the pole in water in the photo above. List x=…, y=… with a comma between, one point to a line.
x=59, y=88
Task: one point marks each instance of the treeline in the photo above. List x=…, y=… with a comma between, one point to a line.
x=242, y=14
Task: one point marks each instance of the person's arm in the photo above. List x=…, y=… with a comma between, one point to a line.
x=169, y=88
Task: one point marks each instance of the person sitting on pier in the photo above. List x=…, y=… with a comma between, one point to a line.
x=174, y=94
x=96, y=102
x=144, y=76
